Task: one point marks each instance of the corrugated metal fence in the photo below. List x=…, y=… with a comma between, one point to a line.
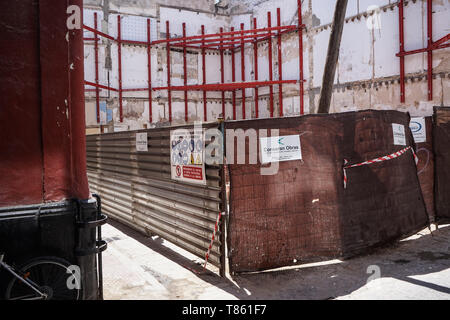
x=137, y=190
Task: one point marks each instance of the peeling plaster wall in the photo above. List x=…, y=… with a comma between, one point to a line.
x=367, y=76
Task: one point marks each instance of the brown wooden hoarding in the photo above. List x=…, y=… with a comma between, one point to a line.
x=441, y=136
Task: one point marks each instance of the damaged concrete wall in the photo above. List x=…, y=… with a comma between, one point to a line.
x=367, y=75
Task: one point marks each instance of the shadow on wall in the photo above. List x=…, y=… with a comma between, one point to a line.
x=400, y=261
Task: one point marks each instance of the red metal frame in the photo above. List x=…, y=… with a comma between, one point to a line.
x=439, y=44
x=222, y=76
x=233, y=77
x=300, y=55
x=169, y=85
x=255, y=52
x=243, y=72
x=149, y=65
x=205, y=111
x=280, y=64
x=231, y=41
x=97, y=93
x=269, y=24
x=185, y=77
x=119, y=46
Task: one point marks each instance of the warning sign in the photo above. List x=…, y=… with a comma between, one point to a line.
x=186, y=156
x=399, y=134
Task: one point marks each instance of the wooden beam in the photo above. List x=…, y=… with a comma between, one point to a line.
x=332, y=56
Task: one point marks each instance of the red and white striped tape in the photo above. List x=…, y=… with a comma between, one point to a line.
x=381, y=159
x=216, y=228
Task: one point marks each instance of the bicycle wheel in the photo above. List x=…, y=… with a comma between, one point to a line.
x=50, y=274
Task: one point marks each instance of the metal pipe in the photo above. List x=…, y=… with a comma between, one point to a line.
x=269, y=23
x=97, y=98
x=119, y=46
x=149, y=65
x=300, y=55
x=205, y=111
x=402, y=49
x=280, y=65
x=217, y=35
x=226, y=86
x=430, y=46
x=222, y=77
x=169, y=93
x=243, y=74
x=185, y=76
x=255, y=52
x=233, y=78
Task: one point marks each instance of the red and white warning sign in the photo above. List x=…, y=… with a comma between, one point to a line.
x=187, y=154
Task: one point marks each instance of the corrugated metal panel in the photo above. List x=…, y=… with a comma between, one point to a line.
x=137, y=190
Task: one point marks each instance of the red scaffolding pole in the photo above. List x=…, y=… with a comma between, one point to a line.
x=255, y=52
x=221, y=42
x=269, y=24
x=300, y=55
x=169, y=85
x=119, y=48
x=97, y=93
x=233, y=78
x=243, y=73
x=222, y=76
x=205, y=110
x=185, y=76
x=280, y=65
x=439, y=44
x=149, y=65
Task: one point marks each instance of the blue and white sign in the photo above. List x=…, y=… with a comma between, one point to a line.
x=418, y=129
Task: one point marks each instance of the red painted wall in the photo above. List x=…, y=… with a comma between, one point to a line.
x=42, y=128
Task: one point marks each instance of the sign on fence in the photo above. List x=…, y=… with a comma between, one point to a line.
x=187, y=154
x=279, y=149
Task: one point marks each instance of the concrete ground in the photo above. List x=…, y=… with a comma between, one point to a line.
x=137, y=267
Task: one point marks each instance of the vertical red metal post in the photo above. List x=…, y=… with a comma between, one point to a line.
x=255, y=52
x=169, y=90
x=430, y=49
x=222, y=75
x=185, y=75
x=269, y=25
x=300, y=55
x=280, y=64
x=402, y=50
x=149, y=65
x=97, y=91
x=119, y=46
x=233, y=77
x=205, y=111
x=243, y=72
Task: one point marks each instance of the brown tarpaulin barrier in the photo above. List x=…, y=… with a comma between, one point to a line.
x=302, y=213
x=441, y=137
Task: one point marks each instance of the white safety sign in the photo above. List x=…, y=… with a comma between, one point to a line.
x=418, y=129
x=399, y=134
x=279, y=149
x=141, y=142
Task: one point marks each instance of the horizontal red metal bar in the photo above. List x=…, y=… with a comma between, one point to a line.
x=98, y=32
x=407, y=53
x=226, y=86
x=92, y=84
x=217, y=35
x=441, y=40
x=237, y=36
x=135, y=89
